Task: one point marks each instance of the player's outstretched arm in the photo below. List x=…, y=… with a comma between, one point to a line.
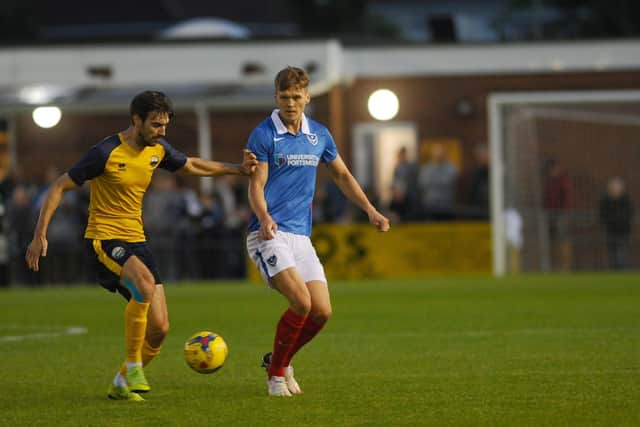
x=350, y=188
x=38, y=246
x=201, y=167
x=258, y=203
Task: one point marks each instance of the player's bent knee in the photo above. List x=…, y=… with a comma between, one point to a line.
x=321, y=316
x=147, y=288
x=141, y=288
x=161, y=330
x=301, y=305
x=164, y=329
x=138, y=279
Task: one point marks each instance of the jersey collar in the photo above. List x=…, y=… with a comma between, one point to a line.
x=281, y=128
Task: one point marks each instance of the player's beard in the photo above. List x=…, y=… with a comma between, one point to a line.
x=144, y=141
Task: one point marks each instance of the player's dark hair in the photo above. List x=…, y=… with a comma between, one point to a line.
x=150, y=101
x=291, y=77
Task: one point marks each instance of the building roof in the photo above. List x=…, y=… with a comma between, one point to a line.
x=240, y=74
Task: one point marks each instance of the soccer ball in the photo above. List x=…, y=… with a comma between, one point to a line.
x=205, y=352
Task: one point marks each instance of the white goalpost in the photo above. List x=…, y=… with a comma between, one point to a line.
x=590, y=137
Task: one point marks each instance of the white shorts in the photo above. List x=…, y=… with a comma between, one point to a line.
x=284, y=251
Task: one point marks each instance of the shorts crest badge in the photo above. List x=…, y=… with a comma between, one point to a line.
x=154, y=161
x=117, y=252
x=272, y=260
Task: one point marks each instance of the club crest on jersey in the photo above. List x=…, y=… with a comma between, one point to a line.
x=280, y=160
x=272, y=260
x=154, y=161
x=117, y=252
x=313, y=138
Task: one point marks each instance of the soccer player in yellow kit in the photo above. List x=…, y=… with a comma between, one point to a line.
x=120, y=168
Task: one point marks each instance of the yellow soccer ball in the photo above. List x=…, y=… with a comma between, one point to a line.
x=205, y=352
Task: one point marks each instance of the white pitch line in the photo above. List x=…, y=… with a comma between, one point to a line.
x=70, y=330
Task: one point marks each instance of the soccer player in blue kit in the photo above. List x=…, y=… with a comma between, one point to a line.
x=289, y=146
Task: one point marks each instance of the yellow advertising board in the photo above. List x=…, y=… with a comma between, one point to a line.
x=356, y=251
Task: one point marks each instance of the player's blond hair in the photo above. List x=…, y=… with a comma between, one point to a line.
x=291, y=77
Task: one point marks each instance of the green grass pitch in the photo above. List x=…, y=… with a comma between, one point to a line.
x=532, y=350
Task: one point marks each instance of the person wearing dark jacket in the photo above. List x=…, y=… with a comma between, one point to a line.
x=616, y=216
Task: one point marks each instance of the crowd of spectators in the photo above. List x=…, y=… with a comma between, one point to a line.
x=192, y=235
x=437, y=190
x=198, y=235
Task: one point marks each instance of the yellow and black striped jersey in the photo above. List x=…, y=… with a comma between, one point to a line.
x=119, y=178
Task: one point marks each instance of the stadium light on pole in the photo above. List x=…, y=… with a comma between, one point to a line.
x=47, y=116
x=383, y=104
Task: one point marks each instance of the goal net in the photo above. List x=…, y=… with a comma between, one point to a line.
x=554, y=158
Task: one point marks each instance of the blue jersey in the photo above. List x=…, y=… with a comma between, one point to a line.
x=293, y=161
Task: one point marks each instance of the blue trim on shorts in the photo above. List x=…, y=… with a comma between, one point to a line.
x=107, y=278
x=263, y=264
x=134, y=291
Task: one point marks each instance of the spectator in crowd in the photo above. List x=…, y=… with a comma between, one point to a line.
x=21, y=220
x=4, y=244
x=404, y=187
x=330, y=205
x=64, y=236
x=161, y=211
x=232, y=195
x=15, y=177
x=213, y=213
x=558, y=203
x=5, y=191
x=437, y=186
x=7, y=183
x=478, y=197
x=212, y=247
x=616, y=216
x=225, y=197
x=51, y=173
x=336, y=204
x=189, y=231
x=18, y=214
x=65, y=244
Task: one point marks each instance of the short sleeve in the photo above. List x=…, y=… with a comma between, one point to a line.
x=260, y=145
x=90, y=166
x=173, y=159
x=330, y=150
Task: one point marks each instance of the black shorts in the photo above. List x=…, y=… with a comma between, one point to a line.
x=110, y=256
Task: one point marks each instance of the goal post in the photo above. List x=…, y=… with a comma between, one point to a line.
x=594, y=135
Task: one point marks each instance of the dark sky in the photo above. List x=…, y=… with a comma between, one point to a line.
x=84, y=11
x=26, y=21
x=36, y=20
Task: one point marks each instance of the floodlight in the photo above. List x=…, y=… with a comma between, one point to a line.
x=47, y=116
x=383, y=104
